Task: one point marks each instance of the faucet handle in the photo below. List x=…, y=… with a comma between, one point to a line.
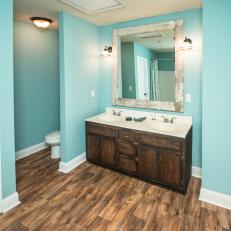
x=154, y=117
x=165, y=119
x=116, y=113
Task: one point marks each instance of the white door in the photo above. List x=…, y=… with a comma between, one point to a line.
x=142, y=78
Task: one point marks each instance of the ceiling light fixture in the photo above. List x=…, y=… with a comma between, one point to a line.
x=187, y=44
x=41, y=22
x=107, y=51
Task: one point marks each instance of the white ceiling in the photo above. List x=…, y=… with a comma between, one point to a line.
x=96, y=6
x=134, y=9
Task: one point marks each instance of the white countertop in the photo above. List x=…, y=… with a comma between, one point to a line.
x=179, y=128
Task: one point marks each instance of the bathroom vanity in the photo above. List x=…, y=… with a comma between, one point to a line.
x=159, y=149
x=161, y=155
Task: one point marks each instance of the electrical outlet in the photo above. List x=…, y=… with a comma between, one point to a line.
x=92, y=93
x=188, y=98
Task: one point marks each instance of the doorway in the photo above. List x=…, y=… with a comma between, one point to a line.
x=142, y=78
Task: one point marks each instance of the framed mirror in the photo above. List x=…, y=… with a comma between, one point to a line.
x=148, y=66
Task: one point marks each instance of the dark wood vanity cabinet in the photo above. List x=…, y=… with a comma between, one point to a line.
x=93, y=146
x=148, y=164
x=108, y=151
x=170, y=168
x=160, y=159
x=101, y=149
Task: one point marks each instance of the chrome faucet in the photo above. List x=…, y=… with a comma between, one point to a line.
x=172, y=120
x=119, y=113
x=116, y=113
x=167, y=120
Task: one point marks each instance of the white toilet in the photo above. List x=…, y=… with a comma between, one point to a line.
x=53, y=139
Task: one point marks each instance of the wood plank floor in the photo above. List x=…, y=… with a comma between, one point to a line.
x=94, y=198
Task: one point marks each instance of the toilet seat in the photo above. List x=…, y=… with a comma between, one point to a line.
x=53, y=137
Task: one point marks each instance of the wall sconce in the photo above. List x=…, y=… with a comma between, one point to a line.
x=107, y=51
x=41, y=22
x=187, y=44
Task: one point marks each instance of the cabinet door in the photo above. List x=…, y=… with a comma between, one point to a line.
x=126, y=148
x=170, y=168
x=148, y=162
x=127, y=164
x=108, y=151
x=93, y=148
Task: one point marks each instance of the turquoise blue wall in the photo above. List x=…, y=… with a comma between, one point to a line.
x=79, y=63
x=128, y=70
x=7, y=150
x=36, y=83
x=216, y=158
x=193, y=68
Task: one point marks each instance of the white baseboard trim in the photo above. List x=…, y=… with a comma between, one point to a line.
x=196, y=172
x=67, y=167
x=30, y=150
x=10, y=202
x=215, y=198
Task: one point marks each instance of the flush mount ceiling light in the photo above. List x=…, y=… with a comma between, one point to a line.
x=107, y=51
x=96, y=6
x=187, y=44
x=41, y=22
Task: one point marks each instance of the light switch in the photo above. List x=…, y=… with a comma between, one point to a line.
x=92, y=93
x=188, y=98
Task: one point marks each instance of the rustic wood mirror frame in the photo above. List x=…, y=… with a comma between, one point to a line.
x=178, y=105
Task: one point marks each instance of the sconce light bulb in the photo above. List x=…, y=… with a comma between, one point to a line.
x=187, y=44
x=107, y=51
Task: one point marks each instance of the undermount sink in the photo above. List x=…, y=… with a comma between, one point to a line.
x=109, y=118
x=161, y=126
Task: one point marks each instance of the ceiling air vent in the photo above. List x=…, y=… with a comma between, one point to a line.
x=95, y=6
x=149, y=34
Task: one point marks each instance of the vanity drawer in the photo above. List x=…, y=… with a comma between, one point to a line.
x=126, y=134
x=127, y=164
x=101, y=130
x=164, y=142
x=126, y=148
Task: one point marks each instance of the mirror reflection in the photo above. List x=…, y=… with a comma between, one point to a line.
x=148, y=66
